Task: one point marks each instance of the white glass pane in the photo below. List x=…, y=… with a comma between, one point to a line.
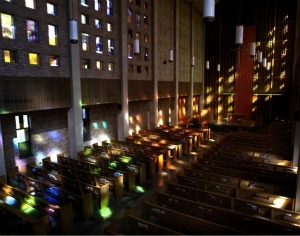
x=25, y=121
x=17, y=119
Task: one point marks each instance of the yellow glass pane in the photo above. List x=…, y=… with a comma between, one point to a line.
x=7, y=56
x=33, y=59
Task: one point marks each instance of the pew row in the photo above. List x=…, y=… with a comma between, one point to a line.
x=89, y=174
x=40, y=216
x=249, y=224
x=151, y=162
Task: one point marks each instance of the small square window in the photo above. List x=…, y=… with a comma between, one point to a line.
x=85, y=42
x=98, y=23
x=130, y=34
x=130, y=51
x=84, y=3
x=145, y=6
x=139, y=69
x=146, y=38
x=99, y=65
x=34, y=59
x=52, y=34
x=110, y=66
x=109, y=27
x=51, y=9
x=30, y=4
x=8, y=26
x=129, y=15
x=97, y=5
x=110, y=44
x=10, y=56
x=145, y=22
x=99, y=44
x=84, y=19
x=86, y=64
x=130, y=68
x=146, y=54
x=32, y=31
x=138, y=20
x=54, y=60
x=109, y=9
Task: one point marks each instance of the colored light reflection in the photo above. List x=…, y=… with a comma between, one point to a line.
x=30, y=200
x=279, y=202
x=95, y=125
x=10, y=200
x=27, y=209
x=125, y=159
x=139, y=189
x=55, y=135
x=113, y=164
x=104, y=124
x=105, y=212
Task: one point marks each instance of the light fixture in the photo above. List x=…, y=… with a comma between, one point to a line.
x=239, y=35
x=259, y=57
x=207, y=65
x=252, y=49
x=136, y=46
x=209, y=10
x=73, y=31
x=218, y=67
x=171, y=55
x=192, y=60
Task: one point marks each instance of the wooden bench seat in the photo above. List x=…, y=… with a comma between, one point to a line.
x=286, y=180
x=225, y=217
x=62, y=188
x=148, y=150
x=134, y=158
x=19, y=206
x=182, y=222
x=136, y=225
x=103, y=165
x=89, y=174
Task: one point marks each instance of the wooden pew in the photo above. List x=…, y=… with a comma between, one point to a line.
x=237, y=182
x=124, y=163
x=127, y=170
x=286, y=180
x=25, y=210
x=135, y=158
x=136, y=225
x=58, y=183
x=149, y=149
x=182, y=222
x=61, y=213
x=240, y=216
x=157, y=156
x=95, y=176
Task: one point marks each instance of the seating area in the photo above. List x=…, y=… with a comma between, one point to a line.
x=196, y=187
x=219, y=190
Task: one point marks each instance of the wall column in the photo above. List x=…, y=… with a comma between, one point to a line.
x=153, y=104
x=123, y=116
x=295, y=105
x=2, y=161
x=190, y=100
x=75, y=112
x=176, y=79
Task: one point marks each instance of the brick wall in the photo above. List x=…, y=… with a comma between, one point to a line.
x=49, y=136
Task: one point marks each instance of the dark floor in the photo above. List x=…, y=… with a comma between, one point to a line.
x=117, y=208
